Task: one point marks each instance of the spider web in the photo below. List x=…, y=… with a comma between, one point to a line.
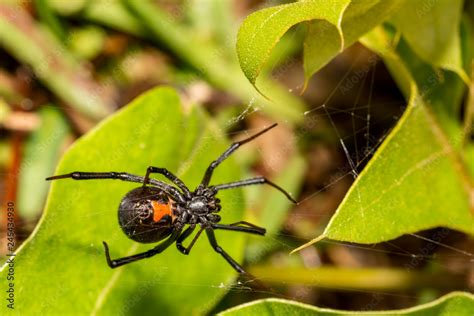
x=359, y=133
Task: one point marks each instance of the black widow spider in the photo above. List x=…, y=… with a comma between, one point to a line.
x=151, y=213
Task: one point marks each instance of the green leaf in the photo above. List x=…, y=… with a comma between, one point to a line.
x=337, y=24
x=432, y=30
x=63, y=261
x=40, y=155
x=322, y=44
x=456, y=303
x=261, y=30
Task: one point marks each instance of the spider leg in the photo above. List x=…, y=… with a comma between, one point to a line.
x=168, y=175
x=253, y=229
x=257, y=180
x=77, y=175
x=126, y=260
x=246, y=223
x=218, y=249
x=184, y=235
x=227, y=153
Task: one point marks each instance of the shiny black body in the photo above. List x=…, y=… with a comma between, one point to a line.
x=157, y=210
x=135, y=215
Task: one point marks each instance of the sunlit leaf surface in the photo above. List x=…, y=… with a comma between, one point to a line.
x=335, y=25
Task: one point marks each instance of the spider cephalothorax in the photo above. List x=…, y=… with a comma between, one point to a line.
x=157, y=210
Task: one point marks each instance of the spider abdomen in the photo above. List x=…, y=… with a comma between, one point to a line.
x=146, y=214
